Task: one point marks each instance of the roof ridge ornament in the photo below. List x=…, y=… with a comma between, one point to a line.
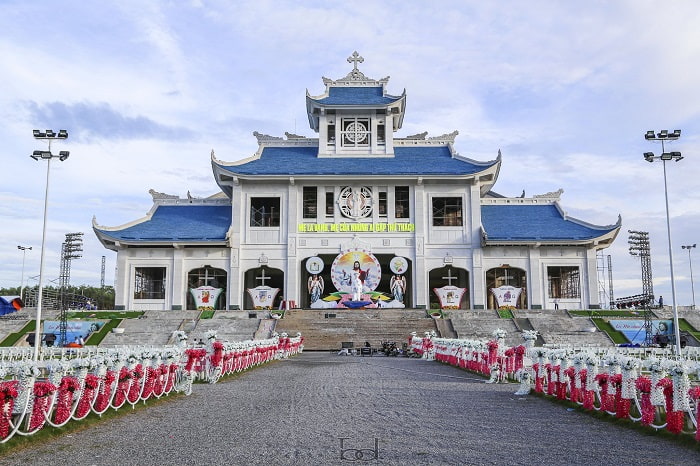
x=550, y=195
x=448, y=137
x=266, y=137
x=160, y=196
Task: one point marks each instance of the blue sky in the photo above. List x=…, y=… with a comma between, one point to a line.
x=566, y=90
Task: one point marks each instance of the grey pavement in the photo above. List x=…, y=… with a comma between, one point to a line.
x=323, y=409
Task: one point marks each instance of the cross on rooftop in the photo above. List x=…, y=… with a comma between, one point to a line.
x=356, y=58
x=262, y=277
x=449, y=277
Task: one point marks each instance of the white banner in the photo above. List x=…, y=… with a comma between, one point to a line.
x=205, y=297
x=449, y=296
x=263, y=296
x=506, y=295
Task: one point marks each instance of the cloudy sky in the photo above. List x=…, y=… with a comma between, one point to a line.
x=146, y=89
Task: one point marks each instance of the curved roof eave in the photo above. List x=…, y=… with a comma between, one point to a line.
x=113, y=243
x=602, y=241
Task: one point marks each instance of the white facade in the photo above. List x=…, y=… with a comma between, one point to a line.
x=358, y=187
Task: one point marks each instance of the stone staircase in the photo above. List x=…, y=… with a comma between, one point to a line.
x=328, y=329
x=480, y=325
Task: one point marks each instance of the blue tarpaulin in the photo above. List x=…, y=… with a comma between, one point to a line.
x=10, y=304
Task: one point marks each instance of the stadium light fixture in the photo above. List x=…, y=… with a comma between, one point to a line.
x=48, y=135
x=662, y=136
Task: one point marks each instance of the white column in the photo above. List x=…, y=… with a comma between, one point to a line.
x=179, y=280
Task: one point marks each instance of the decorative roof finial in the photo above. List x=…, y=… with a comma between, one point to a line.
x=356, y=58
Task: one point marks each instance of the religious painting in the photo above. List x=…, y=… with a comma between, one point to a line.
x=369, y=270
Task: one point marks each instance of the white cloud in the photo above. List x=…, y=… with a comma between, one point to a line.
x=566, y=90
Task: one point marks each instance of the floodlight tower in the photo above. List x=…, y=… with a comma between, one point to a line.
x=640, y=246
x=70, y=249
x=664, y=136
x=48, y=135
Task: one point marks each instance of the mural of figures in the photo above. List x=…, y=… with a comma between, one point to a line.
x=359, y=262
x=398, y=287
x=315, y=287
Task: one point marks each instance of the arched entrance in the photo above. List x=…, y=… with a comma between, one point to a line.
x=444, y=276
x=503, y=277
x=207, y=276
x=263, y=276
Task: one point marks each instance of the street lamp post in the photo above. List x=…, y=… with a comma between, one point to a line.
x=48, y=135
x=664, y=136
x=21, y=283
x=690, y=261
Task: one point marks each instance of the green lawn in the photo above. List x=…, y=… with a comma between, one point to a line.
x=639, y=313
x=12, y=338
x=604, y=326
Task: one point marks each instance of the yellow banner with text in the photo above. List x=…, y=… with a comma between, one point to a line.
x=356, y=227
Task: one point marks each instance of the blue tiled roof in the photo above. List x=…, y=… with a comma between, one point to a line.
x=430, y=160
x=356, y=96
x=534, y=223
x=179, y=223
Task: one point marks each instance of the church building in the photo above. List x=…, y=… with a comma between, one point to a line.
x=356, y=218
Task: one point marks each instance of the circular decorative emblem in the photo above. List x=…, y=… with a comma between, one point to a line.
x=341, y=270
x=314, y=265
x=398, y=265
x=355, y=202
x=356, y=132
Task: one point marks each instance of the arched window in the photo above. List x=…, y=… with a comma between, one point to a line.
x=207, y=276
x=506, y=276
x=448, y=275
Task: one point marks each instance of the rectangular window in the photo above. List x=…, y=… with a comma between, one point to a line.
x=310, y=201
x=382, y=207
x=447, y=211
x=331, y=134
x=401, y=202
x=564, y=282
x=149, y=283
x=265, y=212
x=330, y=203
x=381, y=134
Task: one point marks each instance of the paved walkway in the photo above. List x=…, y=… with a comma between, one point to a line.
x=322, y=409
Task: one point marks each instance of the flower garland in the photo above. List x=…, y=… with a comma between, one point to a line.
x=551, y=384
x=607, y=401
x=519, y=357
x=66, y=391
x=217, y=356
x=574, y=391
x=105, y=392
x=622, y=405
x=492, y=346
x=88, y=396
x=8, y=394
x=643, y=384
x=123, y=384
x=137, y=375
x=42, y=399
x=194, y=355
x=587, y=392
x=694, y=394
x=674, y=419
